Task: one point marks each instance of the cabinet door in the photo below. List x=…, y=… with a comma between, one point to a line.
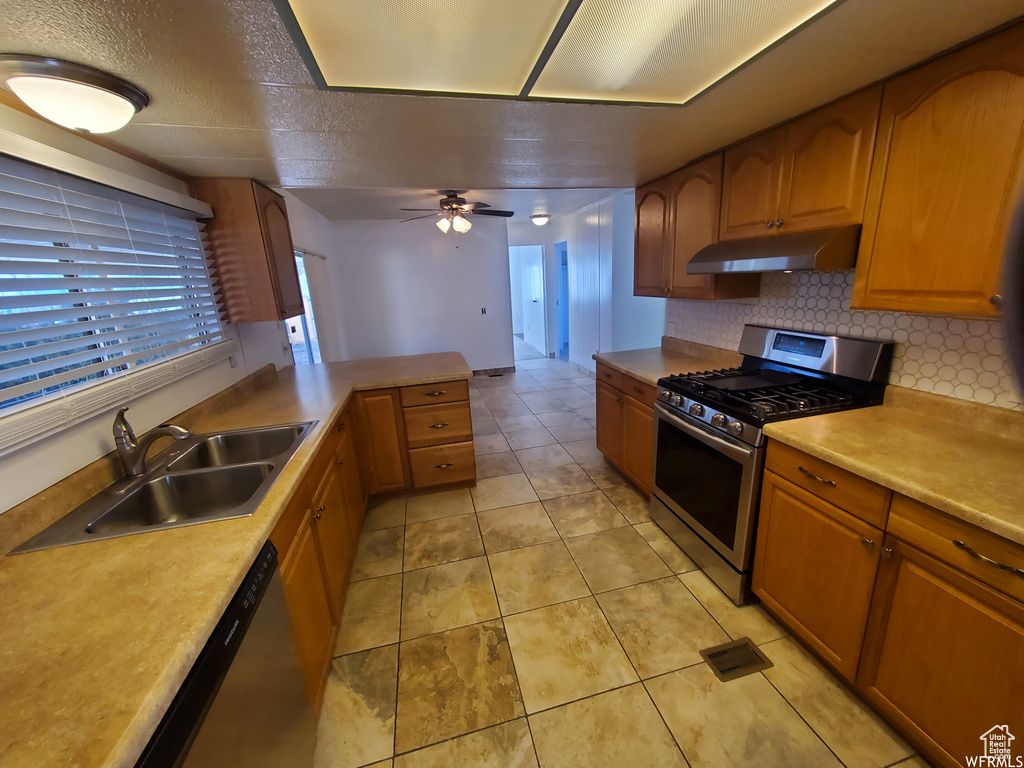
x=945, y=177
x=638, y=458
x=815, y=566
x=750, y=186
x=334, y=538
x=826, y=164
x=277, y=241
x=695, y=199
x=312, y=623
x=383, y=436
x=611, y=431
x=650, y=265
x=351, y=483
x=944, y=655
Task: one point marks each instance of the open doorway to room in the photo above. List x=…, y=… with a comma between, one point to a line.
x=562, y=259
x=301, y=329
x=526, y=276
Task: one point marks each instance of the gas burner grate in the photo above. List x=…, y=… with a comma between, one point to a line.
x=736, y=659
x=793, y=398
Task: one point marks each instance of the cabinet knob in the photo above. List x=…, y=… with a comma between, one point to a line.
x=996, y=301
x=779, y=222
x=886, y=551
x=341, y=461
x=868, y=543
x=769, y=224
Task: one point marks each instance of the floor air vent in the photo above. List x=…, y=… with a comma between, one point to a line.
x=736, y=659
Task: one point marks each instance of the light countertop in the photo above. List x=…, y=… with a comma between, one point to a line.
x=97, y=638
x=962, y=458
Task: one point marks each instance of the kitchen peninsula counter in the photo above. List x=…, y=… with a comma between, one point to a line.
x=97, y=638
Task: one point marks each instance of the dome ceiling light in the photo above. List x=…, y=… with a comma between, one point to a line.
x=73, y=95
x=540, y=219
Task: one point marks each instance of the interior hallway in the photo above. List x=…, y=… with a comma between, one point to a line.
x=541, y=618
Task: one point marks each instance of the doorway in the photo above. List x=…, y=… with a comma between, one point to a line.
x=526, y=273
x=301, y=329
x=562, y=256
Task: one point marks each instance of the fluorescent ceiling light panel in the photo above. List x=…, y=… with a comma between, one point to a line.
x=664, y=51
x=452, y=46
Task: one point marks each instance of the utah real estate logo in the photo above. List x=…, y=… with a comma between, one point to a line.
x=997, y=751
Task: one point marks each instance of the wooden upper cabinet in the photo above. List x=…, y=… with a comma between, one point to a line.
x=946, y=173
x=750, y=186
x=695, y=195
x=251, y=246
x=826, y=164
x=277, y=240
x=651, y=246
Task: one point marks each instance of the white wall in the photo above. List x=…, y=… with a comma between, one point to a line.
x=403, y=289
x=637, y=321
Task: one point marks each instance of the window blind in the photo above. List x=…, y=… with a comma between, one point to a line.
x=95, y=283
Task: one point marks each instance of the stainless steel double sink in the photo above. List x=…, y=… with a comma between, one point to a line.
x=198, y=480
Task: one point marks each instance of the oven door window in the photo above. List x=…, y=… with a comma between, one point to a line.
x=703, y=481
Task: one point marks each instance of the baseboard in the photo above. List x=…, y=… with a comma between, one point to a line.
x=495, y=371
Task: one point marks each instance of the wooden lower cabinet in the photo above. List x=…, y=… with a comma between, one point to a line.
x=638, y=444
x=383, y=433
x=334, y=537
x=313, y=626
x=815, y=567
x=625, y=427
x=352, y=487
x=611, y=422
x=943, y=656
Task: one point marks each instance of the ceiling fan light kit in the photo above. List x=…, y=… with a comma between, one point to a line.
x=454, y=212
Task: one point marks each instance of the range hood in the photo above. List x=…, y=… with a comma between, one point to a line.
x=821, y=249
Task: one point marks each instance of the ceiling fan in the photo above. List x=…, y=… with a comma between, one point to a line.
x=455, y=211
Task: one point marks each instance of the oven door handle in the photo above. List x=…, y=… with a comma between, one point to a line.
x=740, y=452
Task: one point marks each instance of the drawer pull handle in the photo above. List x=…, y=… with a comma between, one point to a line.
x=341, y=461
x=606, y=374
x=639, y=391
x=442, y=425
x=989, y=560
x=813, y=476
x=435, y=394
x=443, y=466
x=319, y=511
x=341, y=426
x=868, y=543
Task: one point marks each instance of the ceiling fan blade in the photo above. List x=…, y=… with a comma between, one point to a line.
x=474, y=206
x=418, y=209
x=414, y=218
x=492, y=212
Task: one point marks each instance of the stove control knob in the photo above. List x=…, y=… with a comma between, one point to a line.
x=676, y=401
x=664, y=395
x=735, y=428
x=696, y=409
x=718, y=420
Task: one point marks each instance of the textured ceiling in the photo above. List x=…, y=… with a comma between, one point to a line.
x=231, y=97
x=378, y=203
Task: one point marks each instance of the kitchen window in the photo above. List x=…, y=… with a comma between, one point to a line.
x=97, y=285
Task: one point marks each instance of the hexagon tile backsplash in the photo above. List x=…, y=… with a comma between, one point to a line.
x=957, y=357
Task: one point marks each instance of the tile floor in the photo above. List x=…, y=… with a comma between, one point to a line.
x=541, y=619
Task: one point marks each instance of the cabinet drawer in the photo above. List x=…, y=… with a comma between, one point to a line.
x=442, y=464
x=609, y=376
x=432, y=394
x=437, y=424
x=935, y=532
x=638, y=390
x=863, y=498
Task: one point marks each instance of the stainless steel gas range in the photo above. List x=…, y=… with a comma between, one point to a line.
x=709, y=451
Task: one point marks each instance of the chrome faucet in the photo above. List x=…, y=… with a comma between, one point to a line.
x=133, y=451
